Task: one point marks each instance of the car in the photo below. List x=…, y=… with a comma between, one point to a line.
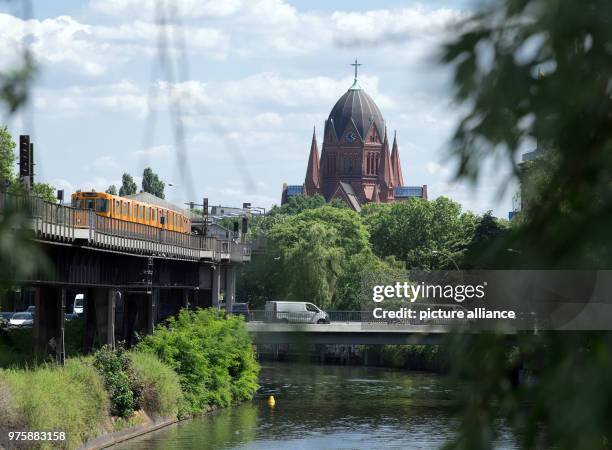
x=79, y=301
x=21, y=320
x=4, y=318
x=31, y=309
x=295, y=312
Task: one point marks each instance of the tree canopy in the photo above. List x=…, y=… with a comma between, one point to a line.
x=7, y=156
x=424, y=234
x=128, y=186
x=152, y=184
x=323, y=253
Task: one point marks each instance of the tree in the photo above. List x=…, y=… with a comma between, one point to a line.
x=44, y=191
x=488, y=247
x=112, y=190
x=152, y=184
x=309, y=253
x=128, y=186
x=546, y=79
x=421, y=233
x=7, y=156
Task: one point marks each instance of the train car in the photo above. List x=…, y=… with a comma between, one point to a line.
x=140, y=208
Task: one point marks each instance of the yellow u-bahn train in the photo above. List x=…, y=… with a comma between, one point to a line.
x=133, y=210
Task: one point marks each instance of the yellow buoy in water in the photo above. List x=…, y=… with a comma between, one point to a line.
x=271, y=401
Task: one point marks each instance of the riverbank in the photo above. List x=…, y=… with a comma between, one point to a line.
x=429, y=358
x=193, y=364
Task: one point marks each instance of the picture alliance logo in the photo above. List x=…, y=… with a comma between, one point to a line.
x=411, y=292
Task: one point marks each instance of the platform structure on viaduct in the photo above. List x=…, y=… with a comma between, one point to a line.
x=131, y=275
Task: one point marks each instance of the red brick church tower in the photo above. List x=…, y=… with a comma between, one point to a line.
x=356, y=163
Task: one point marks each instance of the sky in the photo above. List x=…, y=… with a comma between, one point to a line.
x=243, y=82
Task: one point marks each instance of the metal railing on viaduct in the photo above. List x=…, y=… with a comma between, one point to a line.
x=59, y=223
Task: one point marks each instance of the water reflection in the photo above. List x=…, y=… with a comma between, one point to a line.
x=324, y=407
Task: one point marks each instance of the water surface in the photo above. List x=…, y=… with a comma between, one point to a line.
x=325, y=407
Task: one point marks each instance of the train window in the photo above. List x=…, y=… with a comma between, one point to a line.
x=90, y=204
x=102, y=205
x=153, y=216
x=148, y=213
x=117, y=207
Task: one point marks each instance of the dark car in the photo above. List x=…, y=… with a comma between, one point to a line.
x=31, y=309
x=241, y=309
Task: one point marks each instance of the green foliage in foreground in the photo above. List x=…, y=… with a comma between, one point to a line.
x=212, y=355
x=70, y=398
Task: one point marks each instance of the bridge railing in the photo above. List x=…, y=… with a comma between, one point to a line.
x=366, y=317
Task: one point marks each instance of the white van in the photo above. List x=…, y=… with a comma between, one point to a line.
x=77, y=308
x=295, y=312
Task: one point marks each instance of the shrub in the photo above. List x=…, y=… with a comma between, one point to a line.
x=70, y=398
x=16, y=347
x=161, y=395
x=212, y=355
x=122, y=384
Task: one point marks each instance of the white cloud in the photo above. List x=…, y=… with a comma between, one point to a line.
x=147, y=8
x=155, y=152
x=392, y=26
x=121, y=97
x=61, y=40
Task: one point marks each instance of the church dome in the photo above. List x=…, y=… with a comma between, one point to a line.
x=359, y=107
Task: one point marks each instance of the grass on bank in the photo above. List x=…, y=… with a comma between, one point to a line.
x=70, y=398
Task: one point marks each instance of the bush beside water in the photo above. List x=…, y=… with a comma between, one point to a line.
x=212, y=355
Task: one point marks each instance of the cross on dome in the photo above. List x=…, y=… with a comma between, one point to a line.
x=356, y=65
x=355, y=86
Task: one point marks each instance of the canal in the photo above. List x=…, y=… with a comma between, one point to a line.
x=325, y=407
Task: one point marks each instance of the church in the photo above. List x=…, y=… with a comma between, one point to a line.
x=357, y=165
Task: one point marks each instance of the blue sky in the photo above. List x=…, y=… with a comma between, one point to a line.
x=252, y=79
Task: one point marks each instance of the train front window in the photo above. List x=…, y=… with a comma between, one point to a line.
x=89, y=204
x=102, y=205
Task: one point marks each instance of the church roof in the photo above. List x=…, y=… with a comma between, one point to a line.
x=385, y=170
x=356, y=106
x=346, y=190
x=398, y=177
x=409, y=191
x=313, y=179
